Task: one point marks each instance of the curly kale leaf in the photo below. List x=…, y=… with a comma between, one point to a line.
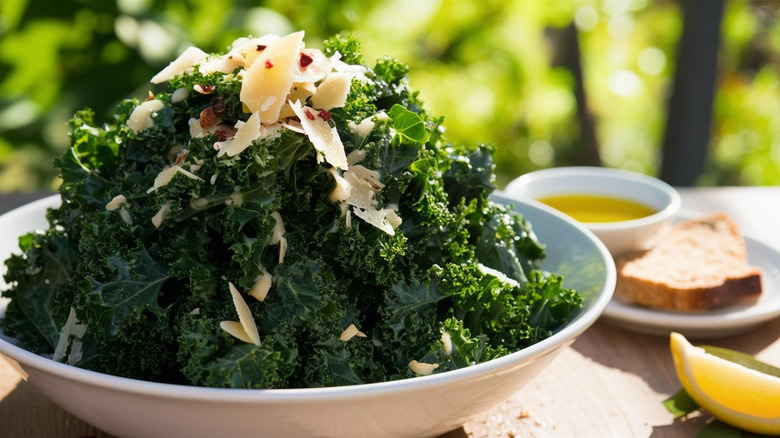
x=135, y=286
x=507, y=243
x=41, y=287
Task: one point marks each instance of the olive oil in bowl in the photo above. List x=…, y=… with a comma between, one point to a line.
x=597, y=208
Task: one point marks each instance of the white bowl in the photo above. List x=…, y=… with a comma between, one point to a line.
x=423, y=406
x=620, y=237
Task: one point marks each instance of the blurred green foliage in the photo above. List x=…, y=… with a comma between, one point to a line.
x=489, y=66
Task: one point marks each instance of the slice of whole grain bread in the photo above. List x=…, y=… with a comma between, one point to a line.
x=695, y=265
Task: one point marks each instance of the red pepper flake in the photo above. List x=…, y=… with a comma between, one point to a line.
x=204, y=89
x=221, y=134
x=269, y=63
x=324, y=115
x=261, y=47
x=305, y=60
x=181, y=156
x=309, y=115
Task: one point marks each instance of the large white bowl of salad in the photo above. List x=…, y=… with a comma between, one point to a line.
x=279, y=241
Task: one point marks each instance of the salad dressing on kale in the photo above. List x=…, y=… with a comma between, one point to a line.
x=278, y=217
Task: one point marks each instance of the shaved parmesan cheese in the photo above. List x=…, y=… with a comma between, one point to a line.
x=235, y=329
x=115, y=202
x=342, y=67
x=270, y=77
x=262, y=285
x=393, y=218
x=246, y=133
x=356, y=156
x=141, y=117
x=332, y=92
x=367, y=176
x=300, y=91
x=364, y=127
x=325, y=138
x=446, y=341
x=343, y=188
x=498, y=274
x=316, y=70
x=377, y=218
x=179, y=95
x=185, y=61
x=277, y=237
x=350, y=332
x=72, y=329
x=223, y=64
x=421, y=368
x=292, y=125
x=244, y=315
x=166, y=175
x=158, y=218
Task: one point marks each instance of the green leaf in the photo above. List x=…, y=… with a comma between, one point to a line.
x=719, y=429
x=136, y=286
x=680, y=404
x=743, y=359
x=409, y=127
x=406, y=300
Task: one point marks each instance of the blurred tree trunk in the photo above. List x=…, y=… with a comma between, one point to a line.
x=566, y=46
x=690, y=107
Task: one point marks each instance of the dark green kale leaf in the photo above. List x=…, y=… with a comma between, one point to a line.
x=36, y=312
x=135, y=287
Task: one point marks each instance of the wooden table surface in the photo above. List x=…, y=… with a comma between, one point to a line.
x=610, y=383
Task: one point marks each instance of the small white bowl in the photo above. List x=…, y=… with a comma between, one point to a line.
x=620, y=237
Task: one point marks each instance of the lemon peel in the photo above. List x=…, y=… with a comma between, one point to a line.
x=732, y=392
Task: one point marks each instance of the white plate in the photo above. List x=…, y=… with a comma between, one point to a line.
x=727, y=321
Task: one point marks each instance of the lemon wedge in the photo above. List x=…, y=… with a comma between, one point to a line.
x=734, y=393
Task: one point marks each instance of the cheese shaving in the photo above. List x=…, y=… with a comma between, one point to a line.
x=158, y=218
x=332, y=92
x=235, y=329
x=350, y=332
x=166, y=175
x=72, y=331
x=277, y=236
x=343, y=188
x=325, y=138
x=246, y=133
x=268, y=79
x=446, y=341
x=115, y=202
x=262, y=285
x=244, y=315
x=498, y=274
x=141, y=117
x=186, y=61
x=421, y=368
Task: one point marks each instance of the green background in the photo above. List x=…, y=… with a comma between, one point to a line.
x=492, y=68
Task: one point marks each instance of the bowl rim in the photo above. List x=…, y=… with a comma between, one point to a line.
x=515, y=188
x=560, y=338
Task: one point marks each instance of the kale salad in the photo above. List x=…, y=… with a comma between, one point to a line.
x=278, y=217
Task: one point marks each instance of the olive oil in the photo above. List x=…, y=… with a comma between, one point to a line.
x=597, y=208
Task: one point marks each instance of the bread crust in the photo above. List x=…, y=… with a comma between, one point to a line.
x=695, y=265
